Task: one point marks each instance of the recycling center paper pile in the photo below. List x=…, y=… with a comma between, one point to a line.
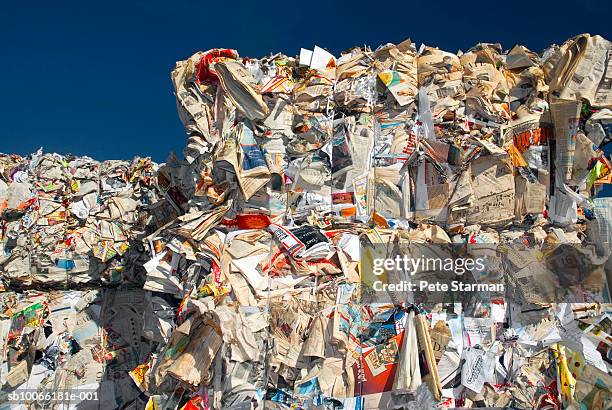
x=390, y=228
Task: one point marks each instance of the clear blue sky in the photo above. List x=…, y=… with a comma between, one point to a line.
x=95, y=78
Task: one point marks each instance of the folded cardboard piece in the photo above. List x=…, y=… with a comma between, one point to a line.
x=240, y=276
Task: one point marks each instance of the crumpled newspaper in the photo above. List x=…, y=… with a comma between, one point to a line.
x=395, y=228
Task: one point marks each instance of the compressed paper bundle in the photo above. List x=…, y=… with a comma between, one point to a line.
x=387, y=228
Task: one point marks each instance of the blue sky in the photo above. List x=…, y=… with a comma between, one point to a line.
x=95, y=79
